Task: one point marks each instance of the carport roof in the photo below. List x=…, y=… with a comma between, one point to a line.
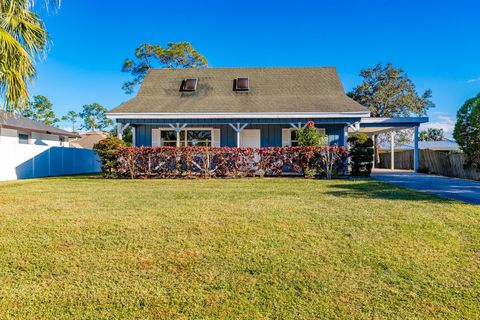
x=380, y=125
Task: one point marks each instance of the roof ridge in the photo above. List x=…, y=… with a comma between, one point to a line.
x=248, y=67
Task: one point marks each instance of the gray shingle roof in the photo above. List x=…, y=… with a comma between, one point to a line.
x=315, y=89
x=445, y=145
x=88, y=139
x=15, y=121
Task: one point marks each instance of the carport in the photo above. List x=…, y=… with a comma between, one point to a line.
x=375, y=126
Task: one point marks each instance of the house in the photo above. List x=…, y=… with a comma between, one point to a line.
x=88, y=139
x=15, y=129
x=245, y=107
x=444, y=145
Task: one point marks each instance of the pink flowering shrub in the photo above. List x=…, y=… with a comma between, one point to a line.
x=225, y=162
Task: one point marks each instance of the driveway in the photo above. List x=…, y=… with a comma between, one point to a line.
x=457, y=189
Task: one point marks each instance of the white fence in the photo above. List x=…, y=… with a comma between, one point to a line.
x=22, y=161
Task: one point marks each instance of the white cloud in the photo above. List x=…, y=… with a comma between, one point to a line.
x=447, y=123
x=473, y=80
x=67, y=128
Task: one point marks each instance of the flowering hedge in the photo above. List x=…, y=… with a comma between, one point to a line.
x=183, y=162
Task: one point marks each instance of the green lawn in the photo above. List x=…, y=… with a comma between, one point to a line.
x=88, y=248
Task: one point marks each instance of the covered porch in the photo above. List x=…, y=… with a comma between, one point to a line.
x=376, y=126
x=254, y=132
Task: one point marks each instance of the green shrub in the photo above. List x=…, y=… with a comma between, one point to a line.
x=309, y=136
x=107, y=150
x=361, y=154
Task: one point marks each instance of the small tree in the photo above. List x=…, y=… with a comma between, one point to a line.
x=467, y=131
x=71, y=117
x=107, y=150
x=389, y=92
x=309, y=136
x=432, y=134
x=127, y=135
x=361, y=154
x=40, y=109
x=175, y=55
x=94, y=118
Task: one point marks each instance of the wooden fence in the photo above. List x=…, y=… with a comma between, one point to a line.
x=450, y=164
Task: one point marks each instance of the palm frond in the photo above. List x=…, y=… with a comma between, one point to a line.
x=23, y=39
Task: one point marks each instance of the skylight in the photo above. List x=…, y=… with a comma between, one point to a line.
x=242, y=84
x=190, y=84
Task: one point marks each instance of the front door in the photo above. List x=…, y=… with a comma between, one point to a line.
x=250, y=138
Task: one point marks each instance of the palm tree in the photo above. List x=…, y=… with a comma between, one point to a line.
x=23, y=39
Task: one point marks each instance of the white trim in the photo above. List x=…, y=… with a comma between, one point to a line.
x=249, y=115
x=394, y=120
x=355, y=127
x=239, y=127
x=286, y=137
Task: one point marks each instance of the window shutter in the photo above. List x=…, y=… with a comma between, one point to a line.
x=286, y=138
x=216, y=138
x=155, y=137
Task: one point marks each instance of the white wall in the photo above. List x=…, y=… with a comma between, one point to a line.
x=8, y=135
x=23, y=161
x=42, y=139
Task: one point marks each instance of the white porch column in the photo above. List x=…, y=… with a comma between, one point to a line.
x=133, y=136
x=415, y=150
x=238, y=139
x=120, y=128
x=392, y=150
x=238, y=128
x=178, y=128
x=345, y=136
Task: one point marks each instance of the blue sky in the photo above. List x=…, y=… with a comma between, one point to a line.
x=436, y=42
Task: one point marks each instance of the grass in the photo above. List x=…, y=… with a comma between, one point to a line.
x=88, y=248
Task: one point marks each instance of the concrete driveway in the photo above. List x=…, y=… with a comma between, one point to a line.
x=457, y=189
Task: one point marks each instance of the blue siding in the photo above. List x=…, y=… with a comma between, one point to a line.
x=270, y=134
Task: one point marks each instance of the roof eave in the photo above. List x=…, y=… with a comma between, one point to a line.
x=53, y=132
x=246, y=115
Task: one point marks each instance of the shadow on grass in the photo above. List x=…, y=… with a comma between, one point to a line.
x=371, y=189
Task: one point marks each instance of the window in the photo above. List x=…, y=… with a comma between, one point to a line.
x=242, y=84
x=188, y=137
x=199, y=137
x=23, y=138
x=189, y=84
x=294, y=136
x=169, y=138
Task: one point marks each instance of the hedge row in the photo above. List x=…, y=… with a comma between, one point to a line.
x=186, y=162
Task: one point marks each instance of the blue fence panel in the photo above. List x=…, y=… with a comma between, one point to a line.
x=58, y=161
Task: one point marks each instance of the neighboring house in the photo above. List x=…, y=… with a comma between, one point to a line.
x=88, y=139
x=15, y=129
x=245, y=107
x=445, y=145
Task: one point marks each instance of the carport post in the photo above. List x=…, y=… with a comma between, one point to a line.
x=415, y=150
x=392, y=150
x=374, y=152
